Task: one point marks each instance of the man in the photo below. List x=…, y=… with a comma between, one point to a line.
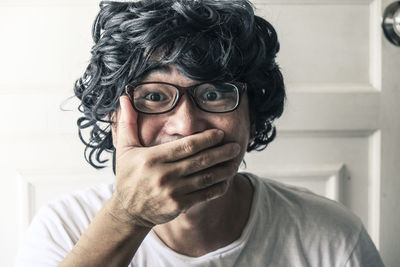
x=188, y=86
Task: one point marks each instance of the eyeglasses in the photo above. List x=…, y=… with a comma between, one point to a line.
x=162, y=97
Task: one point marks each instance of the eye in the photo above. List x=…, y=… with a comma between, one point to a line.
x=216, y=93
x=155, y=96
x=211, y=95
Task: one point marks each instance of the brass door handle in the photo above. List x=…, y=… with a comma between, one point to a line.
x=391, y=23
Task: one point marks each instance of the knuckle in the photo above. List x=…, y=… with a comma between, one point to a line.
x=169, y=193
x=194, y=165
x=211, y=139
x=204, y=160
x=188, y=147
x=180, y=206
x=173, y=193
x=149, y=162
x=176, y=205
x=163, y=180
x=206, y=179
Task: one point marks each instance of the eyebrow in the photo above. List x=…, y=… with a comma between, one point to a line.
x=163, y=69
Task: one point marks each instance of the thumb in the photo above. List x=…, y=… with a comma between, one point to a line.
x=127, y=130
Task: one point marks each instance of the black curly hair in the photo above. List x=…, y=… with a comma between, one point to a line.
x=207, y=40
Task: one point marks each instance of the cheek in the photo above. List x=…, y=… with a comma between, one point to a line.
x=236, y=128
x=238, y=132
x=149, y=127
x=241, y=127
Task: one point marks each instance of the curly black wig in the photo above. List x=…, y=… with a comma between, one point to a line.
x=207, y=40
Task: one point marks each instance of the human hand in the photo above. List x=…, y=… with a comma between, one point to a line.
x=155, y=184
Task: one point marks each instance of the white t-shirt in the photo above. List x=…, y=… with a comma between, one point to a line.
x=287, y=227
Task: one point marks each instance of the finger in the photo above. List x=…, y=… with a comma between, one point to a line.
x=127, y=130
x=187, y=146
x=206, y=159
x=208, y=177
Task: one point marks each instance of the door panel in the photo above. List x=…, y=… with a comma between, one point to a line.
x=343, y=86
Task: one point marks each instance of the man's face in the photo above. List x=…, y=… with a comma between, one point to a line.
x=187, y=119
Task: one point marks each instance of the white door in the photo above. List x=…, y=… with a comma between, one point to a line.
x=338, y=135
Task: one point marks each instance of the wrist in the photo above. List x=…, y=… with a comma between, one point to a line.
x=120, y=215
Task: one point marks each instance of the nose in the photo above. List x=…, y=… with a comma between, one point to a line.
x=185, y=119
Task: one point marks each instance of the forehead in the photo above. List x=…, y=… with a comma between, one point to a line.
x=168, y=73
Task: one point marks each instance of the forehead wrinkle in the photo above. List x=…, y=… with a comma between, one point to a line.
x=170, y=74
x=163, y=69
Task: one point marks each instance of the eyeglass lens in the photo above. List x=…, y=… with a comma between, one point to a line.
x=160, y=97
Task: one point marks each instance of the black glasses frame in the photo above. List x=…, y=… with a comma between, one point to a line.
x=242, y=87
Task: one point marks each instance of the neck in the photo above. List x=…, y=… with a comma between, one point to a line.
x=208, y=226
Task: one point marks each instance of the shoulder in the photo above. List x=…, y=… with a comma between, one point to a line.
x=307, y=220
x=303, y=205
x=58, y=225
x=76, y=208
x=89, y=197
